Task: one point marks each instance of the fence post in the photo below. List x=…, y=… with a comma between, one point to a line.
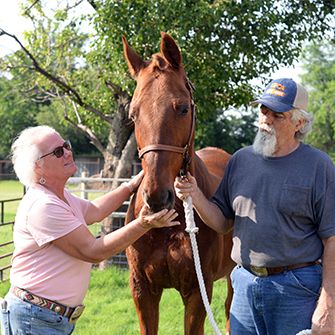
x=83, y=193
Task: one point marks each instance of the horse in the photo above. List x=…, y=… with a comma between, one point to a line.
x=163, y=113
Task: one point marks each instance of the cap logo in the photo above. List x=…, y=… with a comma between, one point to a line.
x=276, y=89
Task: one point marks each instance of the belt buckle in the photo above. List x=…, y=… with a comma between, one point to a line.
x=259, y=271
x=76, y=313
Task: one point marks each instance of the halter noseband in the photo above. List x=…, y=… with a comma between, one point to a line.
x=180, y=150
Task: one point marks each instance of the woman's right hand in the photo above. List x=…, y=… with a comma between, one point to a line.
x=163, y=218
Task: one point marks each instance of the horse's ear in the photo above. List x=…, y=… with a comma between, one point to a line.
x=134, y=61
x=170, y=50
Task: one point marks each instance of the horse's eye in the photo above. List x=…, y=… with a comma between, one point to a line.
x=182, y=109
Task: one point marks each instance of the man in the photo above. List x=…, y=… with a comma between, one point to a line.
x=278, y=196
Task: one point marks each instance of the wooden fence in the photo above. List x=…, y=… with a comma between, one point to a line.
x=6, y=246
x=86, y=188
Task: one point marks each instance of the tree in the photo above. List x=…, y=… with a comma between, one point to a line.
x=228, y=129
x=319, y=77
x=225, y=44
x=15, y=114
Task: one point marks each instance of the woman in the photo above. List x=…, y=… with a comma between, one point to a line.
x=54, y=248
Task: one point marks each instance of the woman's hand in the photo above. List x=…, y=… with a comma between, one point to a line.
x=134, y=183
x=163, y=218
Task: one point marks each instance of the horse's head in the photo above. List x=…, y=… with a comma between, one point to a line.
x=163, y=113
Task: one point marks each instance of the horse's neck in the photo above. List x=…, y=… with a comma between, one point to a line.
x=206, y=181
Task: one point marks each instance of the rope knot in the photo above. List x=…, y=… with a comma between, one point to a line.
x=193, y=230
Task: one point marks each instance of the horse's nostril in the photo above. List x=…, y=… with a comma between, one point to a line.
x=170, y=199
x=159, y=200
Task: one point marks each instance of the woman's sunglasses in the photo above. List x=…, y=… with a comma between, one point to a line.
x=59, y=151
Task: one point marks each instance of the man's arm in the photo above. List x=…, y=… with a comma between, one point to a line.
x=323, y=321
x=209, y=212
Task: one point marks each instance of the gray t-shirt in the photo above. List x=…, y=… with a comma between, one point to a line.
x=282, y=206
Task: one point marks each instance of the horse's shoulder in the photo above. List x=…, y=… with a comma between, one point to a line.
x=210, y=163
x=213, y=154
x=215, y=160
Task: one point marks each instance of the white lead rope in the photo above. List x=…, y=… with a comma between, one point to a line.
x=192, y=229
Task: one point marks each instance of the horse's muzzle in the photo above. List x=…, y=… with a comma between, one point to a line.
x=156, y=201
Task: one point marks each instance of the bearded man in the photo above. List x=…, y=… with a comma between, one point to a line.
x=278, y=196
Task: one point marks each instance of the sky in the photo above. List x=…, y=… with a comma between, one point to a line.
x=13, y=23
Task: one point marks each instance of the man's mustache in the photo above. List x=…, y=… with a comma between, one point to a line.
x=266, y=128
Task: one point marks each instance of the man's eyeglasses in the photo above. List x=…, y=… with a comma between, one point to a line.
x=59, y=151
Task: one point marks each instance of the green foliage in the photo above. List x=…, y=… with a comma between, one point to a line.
x=319, y=78
x=228, y=130
x=15, y=114
x=224, y=44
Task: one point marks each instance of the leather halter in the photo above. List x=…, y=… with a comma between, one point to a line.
x=180, y=150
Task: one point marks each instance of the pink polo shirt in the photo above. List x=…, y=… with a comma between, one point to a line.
x=38, y=265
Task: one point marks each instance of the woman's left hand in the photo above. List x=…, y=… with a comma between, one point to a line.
x=134, y=182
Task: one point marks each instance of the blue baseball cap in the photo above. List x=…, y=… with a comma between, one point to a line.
x=282, y=95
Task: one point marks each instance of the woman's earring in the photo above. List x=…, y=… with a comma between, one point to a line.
x=42, y=181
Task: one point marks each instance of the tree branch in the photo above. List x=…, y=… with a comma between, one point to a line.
x=85, y=130
x=68, y=90
x=93, y=4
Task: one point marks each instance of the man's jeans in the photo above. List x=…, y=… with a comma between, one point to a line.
x=22, y=318
x=275, y=305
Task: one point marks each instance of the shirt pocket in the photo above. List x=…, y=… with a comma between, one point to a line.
x=294, y=200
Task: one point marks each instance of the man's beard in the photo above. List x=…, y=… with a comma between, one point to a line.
x=265, y=142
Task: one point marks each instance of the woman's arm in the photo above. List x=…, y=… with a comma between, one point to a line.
x=81, y=244
x=108, y=203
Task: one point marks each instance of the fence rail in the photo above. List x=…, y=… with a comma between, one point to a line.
x=114, y=222
x=6, y=247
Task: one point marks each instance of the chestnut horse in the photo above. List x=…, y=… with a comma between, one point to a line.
x=163, y=112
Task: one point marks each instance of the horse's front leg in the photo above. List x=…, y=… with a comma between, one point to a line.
x=195, y=312
x=147, y=304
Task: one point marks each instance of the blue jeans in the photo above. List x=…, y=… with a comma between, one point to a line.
x=22, y=318
x=280, y=304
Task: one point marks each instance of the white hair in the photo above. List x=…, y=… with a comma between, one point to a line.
x=298, y=114
x=25, y=152
x=265, y=143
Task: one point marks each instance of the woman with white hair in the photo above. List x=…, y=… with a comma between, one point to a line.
x=54, y=249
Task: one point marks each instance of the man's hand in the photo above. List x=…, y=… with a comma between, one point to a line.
x=186, y=186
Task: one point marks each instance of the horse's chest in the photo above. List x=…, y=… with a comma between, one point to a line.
x=163, y=258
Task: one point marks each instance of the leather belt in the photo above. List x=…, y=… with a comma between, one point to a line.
x=72, y=313
x=268, y=271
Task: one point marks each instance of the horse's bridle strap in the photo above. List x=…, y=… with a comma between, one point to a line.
x=162, y=147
